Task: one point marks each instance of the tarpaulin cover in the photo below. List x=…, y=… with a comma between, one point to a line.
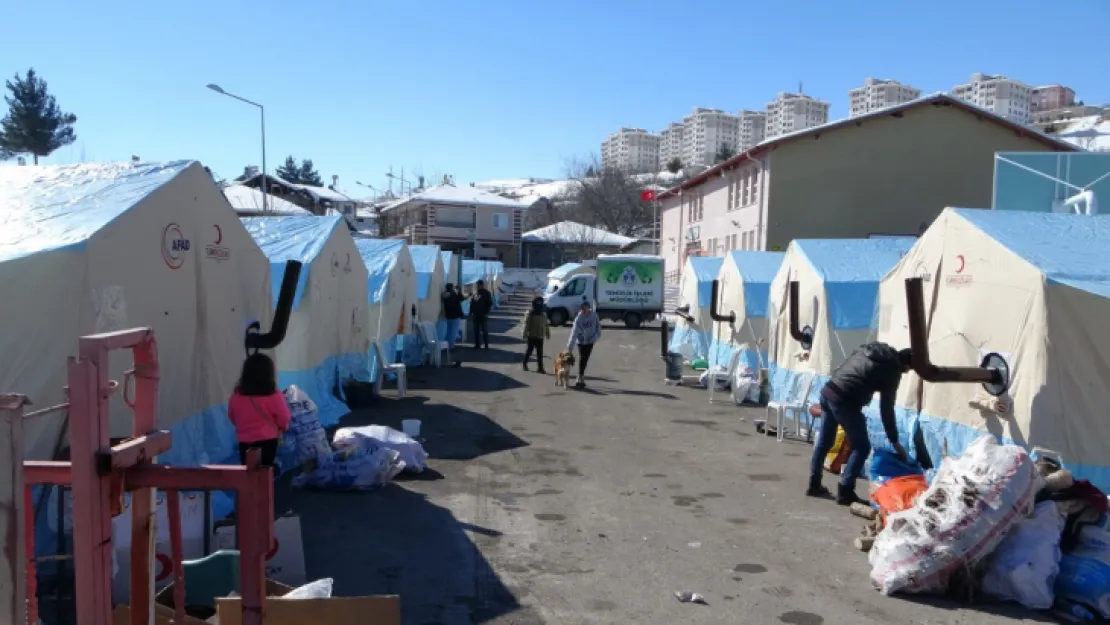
x=448, y=258
x=379, y=256
x=745, y=286
x=424, y=259
x=291, y=238
x=851, y=270
x=473, y=271
x=705, y=268
x=758, y=270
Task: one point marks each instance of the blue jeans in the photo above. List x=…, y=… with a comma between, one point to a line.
x=855, y=430
x=452, y=332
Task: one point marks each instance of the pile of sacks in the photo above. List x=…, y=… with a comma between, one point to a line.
x=361, y=458
x=994, y=521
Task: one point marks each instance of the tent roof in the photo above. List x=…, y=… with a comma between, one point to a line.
x=291, y=238
x=757, y=267
x=854, y=260
x=424, y=259
x=572, y=232
x=249, y=199
x=380, y=257
x=705, y=268
x=52, y=207
x=473, y=271
x=1073, y=250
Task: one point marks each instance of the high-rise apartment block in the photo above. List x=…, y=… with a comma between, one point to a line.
x=1000, y=95
x=670, y=143
x=706, y=132
x=791, y=112
x=877, y=94
x=631, y=149
x=753, y=128
x=1051, y=97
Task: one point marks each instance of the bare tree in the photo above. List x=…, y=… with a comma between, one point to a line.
x=390, y=223
x=611, y=199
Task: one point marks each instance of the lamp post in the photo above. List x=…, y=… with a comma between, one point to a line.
x=262, y=112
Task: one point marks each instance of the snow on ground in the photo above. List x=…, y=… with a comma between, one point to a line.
x=1090, y=133
x=531, y=189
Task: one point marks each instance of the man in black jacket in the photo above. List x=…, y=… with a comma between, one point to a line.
x=480, y=306
x=875, y=367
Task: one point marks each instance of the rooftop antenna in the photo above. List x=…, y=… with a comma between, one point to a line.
x=800, y=92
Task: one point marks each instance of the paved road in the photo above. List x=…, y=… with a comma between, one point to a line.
x=566, y=507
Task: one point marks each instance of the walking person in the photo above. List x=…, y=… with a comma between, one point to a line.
x=258, y=410
x=536, y=330
x=453, y=316
x=480, y=305
x=874, y=367
x=584, y=333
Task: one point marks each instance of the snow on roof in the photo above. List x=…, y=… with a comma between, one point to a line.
x=291, y=238
x=1090, y=133
x=322, y=193
x=52, y=207
x=465, y=196
x=249, y=200
x=576, y=233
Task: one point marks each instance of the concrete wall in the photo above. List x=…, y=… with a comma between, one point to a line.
x=886, y=176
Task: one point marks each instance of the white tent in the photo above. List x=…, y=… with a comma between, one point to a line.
x=1034, y=288
x=428, y=263
x=451, y=266
x=97, y=248
x=838, y=287
x=391, y=292
x=327, y=341
x=744, y=283
x=692, y=335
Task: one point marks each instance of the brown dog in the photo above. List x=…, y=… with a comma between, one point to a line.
x=563, y=363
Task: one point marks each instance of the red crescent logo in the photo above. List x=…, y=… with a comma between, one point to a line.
x=273, y=550
x=963, y=263
x=165, y=567
x=219, y=233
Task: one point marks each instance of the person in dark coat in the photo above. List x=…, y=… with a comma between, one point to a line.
x=452, y=313
x=480, y=305
x=874, y=367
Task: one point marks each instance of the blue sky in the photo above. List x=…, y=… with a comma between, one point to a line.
x=487, y=89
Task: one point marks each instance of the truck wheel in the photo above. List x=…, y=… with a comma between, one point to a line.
x=557, y=317
x=633, y=320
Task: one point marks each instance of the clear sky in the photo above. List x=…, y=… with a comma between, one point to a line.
x=487, y=89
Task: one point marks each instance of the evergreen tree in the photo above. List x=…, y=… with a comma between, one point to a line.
x=674, y=165
x=724, y=153
x=34, y=124
x=289, y=170
x=590, y=173
x=309, y=175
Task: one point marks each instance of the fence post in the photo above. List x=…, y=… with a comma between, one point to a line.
x=13, y=573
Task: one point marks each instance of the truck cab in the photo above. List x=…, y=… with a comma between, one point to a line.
x=564, y=300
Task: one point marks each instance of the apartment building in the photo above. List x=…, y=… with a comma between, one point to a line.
x=1000, y=95
x=845, y=184
x=705, y=132
x=1051, y=97
x=631, y=149
x=670, y=143
x=877, y=94
x=753, y=128
x=791, y=112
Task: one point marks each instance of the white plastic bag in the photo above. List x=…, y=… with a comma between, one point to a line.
x=968, y=509
x=411, y=452
x=1085, y=572
x=319, y=589
x=305, y=440
x=722, y=377
x=1024, y=566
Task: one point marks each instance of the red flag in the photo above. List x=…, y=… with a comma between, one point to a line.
x=647, y=195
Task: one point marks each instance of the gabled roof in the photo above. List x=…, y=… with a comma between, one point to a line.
x=572, y=232
x=936, y=99
x=249, y=200
x=461, y=196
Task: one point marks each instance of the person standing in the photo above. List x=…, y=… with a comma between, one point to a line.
x=258, y=409
x=874, y=367
x=536, y=329
x=480, y=306
x=453, y=316
x=584, y=333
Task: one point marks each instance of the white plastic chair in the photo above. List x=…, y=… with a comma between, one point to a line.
x=398, y=368
x=728, y=374
x=432, y=347
x=802, y=382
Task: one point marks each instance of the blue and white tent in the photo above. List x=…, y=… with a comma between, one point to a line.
x=1033, y=287
x=745, y=289
x=327, y=342
x=428, y=262
x=450, y=267
x=693, y=334
x=838, y=287
x=97, y=248
x=391, y=290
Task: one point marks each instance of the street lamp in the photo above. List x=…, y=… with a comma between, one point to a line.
x=262, y=112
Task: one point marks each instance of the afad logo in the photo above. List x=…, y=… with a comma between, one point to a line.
x=174, y=246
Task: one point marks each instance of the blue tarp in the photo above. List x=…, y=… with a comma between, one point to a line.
x=851, y=270
x=53, y=208
x=473, y=271
x=705, y=268
x=757, y=270
x=424, y=260
x=291, y=238
x=446, y=257
x=379, y=256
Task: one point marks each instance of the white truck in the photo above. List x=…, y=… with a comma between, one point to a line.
x=624, y=287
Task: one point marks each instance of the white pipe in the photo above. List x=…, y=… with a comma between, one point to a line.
x=1075, y=202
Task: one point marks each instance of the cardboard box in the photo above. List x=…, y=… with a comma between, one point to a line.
x=162, y=616
x=381, y=610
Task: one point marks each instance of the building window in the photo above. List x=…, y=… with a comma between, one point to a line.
x=454, y=217
x=501, y=221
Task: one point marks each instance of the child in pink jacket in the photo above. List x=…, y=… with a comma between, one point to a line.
x=258, y=410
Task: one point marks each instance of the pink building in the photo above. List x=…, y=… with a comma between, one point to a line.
x=1051, y=97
